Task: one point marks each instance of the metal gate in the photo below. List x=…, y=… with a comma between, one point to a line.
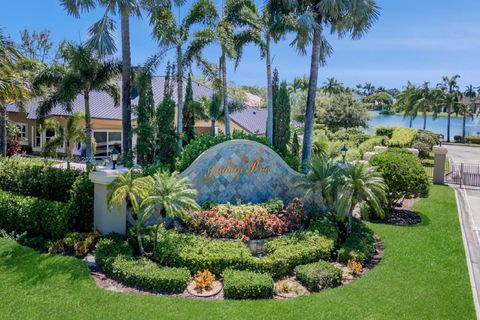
x=464, y=173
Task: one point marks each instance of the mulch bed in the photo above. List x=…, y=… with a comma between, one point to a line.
x=403, y=215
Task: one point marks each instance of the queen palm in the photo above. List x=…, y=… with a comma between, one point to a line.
x=471, y=94
x=465, y=109
x=406, y=101
x=81, y=74
x=450, y=87
x=333, y=87
x=169, y=196
x=425, y=100
x=360, y=184
x=102, y=39
x=343, y=17
x=176, y=34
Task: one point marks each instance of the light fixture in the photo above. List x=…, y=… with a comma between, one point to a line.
x=440, y=138
x=344, y=152
x=114, y=155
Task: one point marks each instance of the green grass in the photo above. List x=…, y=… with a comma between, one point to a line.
x=423, y=276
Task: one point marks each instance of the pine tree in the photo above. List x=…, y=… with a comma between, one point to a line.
x=281, y=123
x=275, y=87
x=189, y=113
x=295, y=145
x=146, y=113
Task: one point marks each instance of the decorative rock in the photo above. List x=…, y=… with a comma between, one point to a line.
x=380, y=148
x=368, y=155
x=414, y=151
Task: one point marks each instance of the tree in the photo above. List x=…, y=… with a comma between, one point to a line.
x=406, y=101
x=299, y=84
x=35, y=45
x=169, y=196
x=176, y=34
x=344, y=112
x=368, y=89
x=471, y=94
x=82, y=73
x=333, y=87
x=70, y=134
x=465, y=109
x=189, y=112
x=422, y=100
x=14, y=85
x=214, y=113
x=359, y=184
x=282, y=119
x=381, y=99
x=311, y=18
x=452, y=96
x=131, y=189
x=295, y=145
x=102, y=39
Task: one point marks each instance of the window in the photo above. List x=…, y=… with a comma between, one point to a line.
x=106, y=140
x=49, y=134
x=37, y=142
x=23, y=130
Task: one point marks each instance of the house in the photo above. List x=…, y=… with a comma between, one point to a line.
x=107, y=118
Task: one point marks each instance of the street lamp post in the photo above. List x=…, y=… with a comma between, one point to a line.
x=440, y=138
x=344, y=152
x=114, y=155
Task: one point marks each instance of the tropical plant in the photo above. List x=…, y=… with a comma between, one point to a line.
x=310, y=19
x=333, y=87
x=82, y=73
x=70, y=134
x=422, y=100
x=465, y=109
x=381, y=99
x=168, y=195
x=192, y=111
x=281, y=132
x=452, y=95
x=360, y=184
x=102, y=39
x=471, y=94
x=214, y=113
x=343, y=111
x=176, y=34
x=35, y=45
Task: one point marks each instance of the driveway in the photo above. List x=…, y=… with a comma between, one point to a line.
x=459, y=153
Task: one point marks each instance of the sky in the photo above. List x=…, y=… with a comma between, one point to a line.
x=416, y=40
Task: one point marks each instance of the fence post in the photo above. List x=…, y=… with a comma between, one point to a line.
x=439, y=164
x=461, y=175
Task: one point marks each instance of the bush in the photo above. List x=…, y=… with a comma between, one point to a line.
x=457, y=139
x=75, y=243
x=81, y=203
x=402, y=137
x=114, y=256
x=352, y=135
x=318, y=275
x=247, y=285
x=384, y=131
x=324, y=227
x=359, y=245
x=428, y=137
x=37, y=217
x=423, y=149
x=404, y=175
x=370, y=143
x=472, y=139
x=34, y=178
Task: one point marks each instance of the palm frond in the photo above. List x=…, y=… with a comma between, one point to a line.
x=102, y=36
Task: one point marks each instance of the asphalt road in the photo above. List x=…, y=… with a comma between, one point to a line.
x=459, y=153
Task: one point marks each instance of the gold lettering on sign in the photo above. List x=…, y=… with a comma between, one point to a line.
x=247, y=167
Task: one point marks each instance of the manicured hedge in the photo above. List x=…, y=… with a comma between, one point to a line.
x=472, y=139
x=31, y=177
x=360, y=244
x=318, y=275
x=247, y=285
x=384, y=131
x=402, y=137
x=38, y=217
x=114, y=256
x=198, y=253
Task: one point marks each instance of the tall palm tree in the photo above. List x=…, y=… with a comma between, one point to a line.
x=368, y=89
x=212, y=107
x=14, y=85
x=465, y=109
x=450, y=86
x=102, y=39
x=471, y=94
x=424, y=100
x=333, y=87
x=70, y=134
x=343, y=17
x=130, y=189
x=82, y=73
x=174, y=33
x=360, y=184
x=406, y=102
x=169, y=195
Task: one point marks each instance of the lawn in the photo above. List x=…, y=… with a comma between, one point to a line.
x=422, y=276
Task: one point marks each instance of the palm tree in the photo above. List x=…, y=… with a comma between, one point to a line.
x=212, y=108
x=450, y=87
x=130, y=189
x=423, y=100
x=368, y=89
x=70, y=134
x=175, y=33
x=333, y=87
x=311, y=17
x=170, y=196
x=406, y=102
x=14, y=86
x=102, y=39
x=464, y=109
x=360, y=184
x=471, y=94
x=82, y=73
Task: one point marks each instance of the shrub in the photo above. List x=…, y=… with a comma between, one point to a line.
x=324, y=227
x=247, y=285
x=37, y=217
x=203, y=280
x=146, y=274
x=368, y=144
x=34, y=178
x=404, y=175
x=241, y=210
x=81, y=203
x=428, y=137
x=318, y=275
x=402, y=137
x=75, y=243
x=359, y=245
x=472, y=139
x=353, y=154
x=114, y=256
x=457, y=139
x=384, y=131
x=423, y=149
x=352, y=135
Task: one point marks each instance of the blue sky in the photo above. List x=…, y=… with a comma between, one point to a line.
x=413, y=40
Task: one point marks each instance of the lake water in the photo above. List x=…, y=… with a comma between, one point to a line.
x=437, y=125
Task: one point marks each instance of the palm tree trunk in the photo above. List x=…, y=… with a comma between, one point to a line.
x=448, y=121
x=179, y=98
x=126, y=83
x=3, y=131
x=312, y=92
x=139, y=240
x=463, y=126
x=212, y=128
x=67, y=153
x=223, y=67
x=424, y=120
x=88, y=128
x=411, y=121
x=269, y=91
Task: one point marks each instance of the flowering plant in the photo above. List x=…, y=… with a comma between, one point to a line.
x=203, y=280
